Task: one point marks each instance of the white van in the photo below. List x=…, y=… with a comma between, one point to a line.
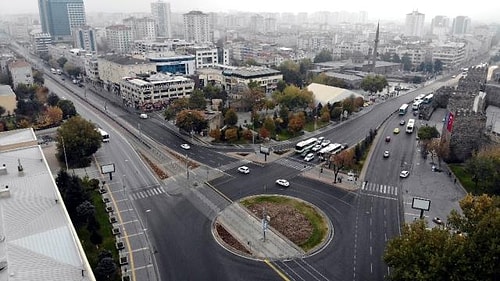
x=143, y=116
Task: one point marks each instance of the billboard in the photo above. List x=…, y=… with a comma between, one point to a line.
x=109, y=168
x=421, y=204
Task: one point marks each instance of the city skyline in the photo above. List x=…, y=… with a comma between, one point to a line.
x=479, y=12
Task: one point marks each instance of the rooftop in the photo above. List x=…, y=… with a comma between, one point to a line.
x=19, y=64
x=251, y=72
x=327, y=94
x=38, y=241
x=6, y=90
x=125, y=60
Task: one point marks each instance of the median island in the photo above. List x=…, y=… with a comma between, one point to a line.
x=298, y=221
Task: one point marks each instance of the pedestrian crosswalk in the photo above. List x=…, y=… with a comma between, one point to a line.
x=380, y=189
x=301, y=166
x=233, y=165
x=147, y=193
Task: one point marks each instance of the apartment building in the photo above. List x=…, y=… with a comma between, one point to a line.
x=451, y=54
x=119, y=38
x=197, y=27
x=113, y=68
x=142, y=28
x=84, y=38
x=59, y=17
x=163, y=19
x=414, y=24
x=266, y=78
x=41, y=43
x=155, y=91
x=21, y=73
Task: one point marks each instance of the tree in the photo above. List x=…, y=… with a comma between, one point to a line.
x=231, y=118
x=191, y=121
x=84, y=211
x=105, y=269
x=467, y=249
x=281, y=86
x=61, y=62
x=425, y=135
x=269, y=124
x=197, y=100
x=38, y=77
x=215, y=133
x=296, y=123
x=374, y=83
x=54, y=115
x=169, y=113
x=264, y=133
x=231, y=134
x=67, y=107
x=335, y=113
x=77, y=140
x=73, y=71
x=406, y=61
x=340, y=161
x=28, y=108
x=291, y=72
x=253, y=97
x=2, y=110
x=52, y=99
x=483, y=166
x=294, y=98
x=323, y=56
x=41, y=94
x=438, y=66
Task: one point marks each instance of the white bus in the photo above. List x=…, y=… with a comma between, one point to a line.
x=410, y=126
x=403, y=109
x=332, y=148
x=305, y=145
x=419, y=98
x=416, y=105
x=104, y=134
x=428, y=98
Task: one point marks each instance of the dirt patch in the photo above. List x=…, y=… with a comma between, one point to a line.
x=229, y=239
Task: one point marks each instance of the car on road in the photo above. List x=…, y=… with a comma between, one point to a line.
x=316, y=148
x=325, y=143
x=185, y=146
x=244, y=169
x=437, y=220
x=388, y=139
x=396, y=131
x=143, y=116
x=320, y=140
x=282, y=182
x=386, y=154
x=402, y=122
x=404, y=174
x=309, y=157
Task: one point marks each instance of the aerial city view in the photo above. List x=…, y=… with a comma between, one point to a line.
x=226, y=140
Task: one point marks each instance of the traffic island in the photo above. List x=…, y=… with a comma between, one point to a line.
x=293, y=228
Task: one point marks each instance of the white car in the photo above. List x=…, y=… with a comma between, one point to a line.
x=185, y=146
x=320, y=140
x=404, y=174
x=244, y=169
x=309, y=157
x=316, y=148
x=386, y=154
x=282, y=182
x=325, y=143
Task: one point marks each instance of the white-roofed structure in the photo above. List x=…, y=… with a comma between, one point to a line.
x=37, y=239
x=325, y=94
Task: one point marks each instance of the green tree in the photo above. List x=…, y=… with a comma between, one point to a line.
x=374, y=83
x=323, y=56
x=294, y=98
x=197, y=100
x=38, y=77
x=281, y=86
x=269, y=124
x=77, y=141
x=72, y=70
x=169, y=113
x=52, y=99
x=61, y=62
x=291, y=72
x=106, y=269
x=335, y=113
x=427, y=133
x=483, y=167
x=438, y=66
x=406, y=61
x=67, y=107
x=85, y=211
x=231, y=118
x=467, y=249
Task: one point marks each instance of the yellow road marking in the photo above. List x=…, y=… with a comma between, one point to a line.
x=280, y=273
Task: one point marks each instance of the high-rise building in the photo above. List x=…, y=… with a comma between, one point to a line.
x=440, y=25
x=196, y=27
x=461, y=25
x=414, y=24
x=161, y=15
x=142, y=28
x=119, y=38
x=84, y=37
x=59, y=17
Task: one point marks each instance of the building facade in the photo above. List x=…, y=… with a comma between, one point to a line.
x=112, y=69
x=440, y=25
x=155, y=91
x=197, y=27
x=266, y=78
x=142, y=28
x=84, y=37
x=7, y=100
x=461, y=25
x=451, y=54
x=41, y=43
x=59, y=17
x=119, y=38
x=21, y=73
x=162, y=17
x=414, y=24
x=176, y=64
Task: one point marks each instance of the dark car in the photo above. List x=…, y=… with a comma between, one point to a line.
x=387, y=139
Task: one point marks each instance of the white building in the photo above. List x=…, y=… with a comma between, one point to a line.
x=155, y=91
x=440, y=26
x=84, y=37
x=162, y=17
x=41, y=43
x=197, y=27
x=119, y=38
x=414, y=24
x=112, y=69
x=266, y=78
x=461, y=25
x=142, y=28
x=207, y=56
x=452, y=54
x=21, y=73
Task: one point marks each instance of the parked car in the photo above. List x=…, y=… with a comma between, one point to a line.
x=437, y=220
x=282, y=182
x=325, y=143
x=316, y=148
x=244, y=169
x=404, y=174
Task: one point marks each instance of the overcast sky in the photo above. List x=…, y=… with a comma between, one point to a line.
x=478, y=11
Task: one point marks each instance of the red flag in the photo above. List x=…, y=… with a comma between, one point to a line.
x=449, y=124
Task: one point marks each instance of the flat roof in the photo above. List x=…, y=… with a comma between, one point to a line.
x=125, y=60
x=328, y=94
x=251, y=72
x=39, y=241
x=6, y=90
